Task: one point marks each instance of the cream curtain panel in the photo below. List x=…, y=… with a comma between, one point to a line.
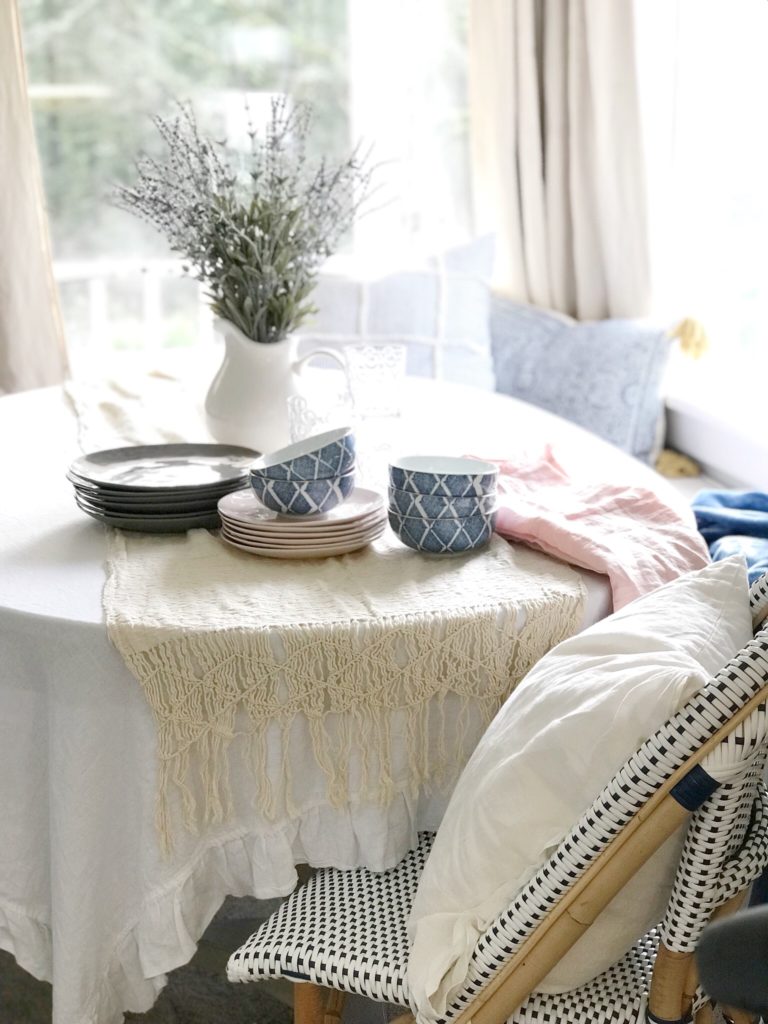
x=32, y=350
x=558, y=171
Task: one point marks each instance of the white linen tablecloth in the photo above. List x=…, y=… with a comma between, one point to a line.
x=86, y=898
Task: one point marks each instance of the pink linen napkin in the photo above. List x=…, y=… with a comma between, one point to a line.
x=626, y=532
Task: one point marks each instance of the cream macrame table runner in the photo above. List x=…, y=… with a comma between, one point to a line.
x=227, y=644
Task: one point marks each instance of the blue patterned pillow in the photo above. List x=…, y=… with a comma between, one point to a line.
x=604, y=375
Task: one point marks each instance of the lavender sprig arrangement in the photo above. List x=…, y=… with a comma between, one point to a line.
x=256, y=235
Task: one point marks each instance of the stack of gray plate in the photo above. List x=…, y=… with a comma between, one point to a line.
x=159, y=488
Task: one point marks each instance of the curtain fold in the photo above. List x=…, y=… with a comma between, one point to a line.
x=32, y=347
x=558, y=169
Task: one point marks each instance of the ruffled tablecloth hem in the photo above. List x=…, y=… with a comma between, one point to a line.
x=172, y=919
x=26, y=939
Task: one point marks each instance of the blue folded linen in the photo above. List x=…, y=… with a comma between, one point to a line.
x=753, y=549
x=723, y=513
x=735, y=522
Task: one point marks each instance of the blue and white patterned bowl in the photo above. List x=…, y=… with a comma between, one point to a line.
x=439, y=506
x=325, y=455
x=303, y=497
x=443, y=536
x=433, y=474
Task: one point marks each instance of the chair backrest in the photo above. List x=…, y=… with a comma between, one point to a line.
x=716, y=742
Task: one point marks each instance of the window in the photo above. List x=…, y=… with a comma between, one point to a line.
x=388, y=73
x=704, y=83
x=704, y=86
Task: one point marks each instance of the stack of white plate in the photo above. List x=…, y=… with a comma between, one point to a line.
x=248, y=525
x=159, y=488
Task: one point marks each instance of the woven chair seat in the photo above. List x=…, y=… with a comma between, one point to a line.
x=336, y=960
x=343, y=929
x=346, y=930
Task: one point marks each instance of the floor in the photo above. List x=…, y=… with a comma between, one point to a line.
x=198, y=993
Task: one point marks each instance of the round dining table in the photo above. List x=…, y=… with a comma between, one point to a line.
x=88, y=899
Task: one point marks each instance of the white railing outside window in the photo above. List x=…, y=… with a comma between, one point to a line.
x=127, y=304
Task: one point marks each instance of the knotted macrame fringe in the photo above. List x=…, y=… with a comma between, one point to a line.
x=206, y=690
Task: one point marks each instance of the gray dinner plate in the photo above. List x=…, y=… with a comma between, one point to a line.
x=156, y=524
x=153, y=507
x=148, y=511
x=213, y=492
x=163, y=467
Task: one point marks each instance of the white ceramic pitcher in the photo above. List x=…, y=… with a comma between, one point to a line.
x=246, y=403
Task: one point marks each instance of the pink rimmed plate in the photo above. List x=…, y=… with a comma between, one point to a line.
x=352, y=544
x=244, y=507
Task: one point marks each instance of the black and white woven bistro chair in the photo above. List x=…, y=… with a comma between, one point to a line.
x=345, y=931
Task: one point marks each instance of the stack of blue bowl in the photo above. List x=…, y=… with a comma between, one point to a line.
x=442, y=505
x=309, y=477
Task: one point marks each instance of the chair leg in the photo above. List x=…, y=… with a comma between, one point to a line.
x=334, y=1006
x=705, y=1014
x=308, y=1003
x=667, y=995
x=737, y=1016
x=690, y=987
x=675, y=976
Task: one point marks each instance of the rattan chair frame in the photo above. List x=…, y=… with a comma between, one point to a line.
x=664, y=784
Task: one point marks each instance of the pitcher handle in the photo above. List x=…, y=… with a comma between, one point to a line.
x=300, y=363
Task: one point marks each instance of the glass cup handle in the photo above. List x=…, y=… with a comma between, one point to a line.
x=300, y=363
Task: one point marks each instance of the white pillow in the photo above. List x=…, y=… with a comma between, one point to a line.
x=564, y=732
x=439, y=307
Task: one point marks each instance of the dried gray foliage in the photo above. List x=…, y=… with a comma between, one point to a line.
x=255, y=236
